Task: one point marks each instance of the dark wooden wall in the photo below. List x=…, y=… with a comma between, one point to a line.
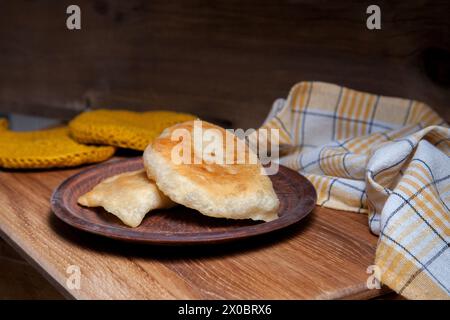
x=219, y=59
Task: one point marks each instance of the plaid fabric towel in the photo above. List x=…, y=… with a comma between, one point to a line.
x=387, y=157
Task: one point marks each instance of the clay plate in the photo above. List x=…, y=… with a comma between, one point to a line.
x=178, y=225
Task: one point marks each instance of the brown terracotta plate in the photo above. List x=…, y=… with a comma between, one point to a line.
x=178, y=225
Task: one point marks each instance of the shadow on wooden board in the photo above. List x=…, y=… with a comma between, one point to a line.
x=19, y=280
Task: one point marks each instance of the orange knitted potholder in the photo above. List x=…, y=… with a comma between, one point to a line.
x=126, y=129
x=46, y=149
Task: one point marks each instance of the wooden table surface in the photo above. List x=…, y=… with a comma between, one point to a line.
x=323, y=257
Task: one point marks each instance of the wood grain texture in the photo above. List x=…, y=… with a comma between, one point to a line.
x=218, y=59
x=324, y=257
x=178, y=225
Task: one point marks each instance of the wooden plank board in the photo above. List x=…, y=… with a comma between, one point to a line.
x=223, y=59
x=324, y=257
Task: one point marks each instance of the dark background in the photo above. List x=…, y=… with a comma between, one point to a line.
x=225, y=60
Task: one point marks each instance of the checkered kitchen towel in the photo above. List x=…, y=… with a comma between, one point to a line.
x=384, y=156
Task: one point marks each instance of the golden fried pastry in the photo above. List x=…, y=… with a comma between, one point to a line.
x=129, y=196
x=214, y=183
